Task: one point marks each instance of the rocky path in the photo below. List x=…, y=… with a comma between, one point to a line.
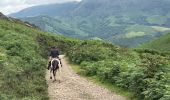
x=74, y=87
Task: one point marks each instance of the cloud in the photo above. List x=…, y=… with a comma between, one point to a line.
x=10, y=6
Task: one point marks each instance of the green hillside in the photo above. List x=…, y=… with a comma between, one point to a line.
x=127, y=35
x=23, y=60
x=58, y=26
x=22, y=66
x=23, y=54
x=162, y=43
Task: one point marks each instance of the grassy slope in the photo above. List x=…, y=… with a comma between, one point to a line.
x=23, y=52
x=162, y=43
x=22, y=67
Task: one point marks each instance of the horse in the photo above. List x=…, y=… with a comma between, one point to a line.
x=55, y=66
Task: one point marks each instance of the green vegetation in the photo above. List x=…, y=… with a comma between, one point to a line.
x=144, y=72
x=107, y=29
x=112, y=87
x=159, y=20
x=22, y=67
x=161, y=44
x=161, y=29
x=23, y=53
x=134, y=34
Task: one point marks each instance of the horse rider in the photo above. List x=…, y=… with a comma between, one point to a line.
x=53, y=54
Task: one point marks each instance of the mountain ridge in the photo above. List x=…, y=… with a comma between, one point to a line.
x=108, y=20
x=34, y=11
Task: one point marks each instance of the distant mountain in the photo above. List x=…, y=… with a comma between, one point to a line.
x=50, y=10
x=55, y=25
x=2, y=15
x=98, y=7
x=124, y=22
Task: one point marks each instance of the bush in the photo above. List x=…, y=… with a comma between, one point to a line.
x=144, y=72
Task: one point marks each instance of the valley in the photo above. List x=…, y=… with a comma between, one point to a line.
x=125, y=23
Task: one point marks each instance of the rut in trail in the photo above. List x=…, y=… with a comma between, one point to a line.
x=74, y=87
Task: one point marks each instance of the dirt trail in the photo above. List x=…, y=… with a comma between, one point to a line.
x=74, y=87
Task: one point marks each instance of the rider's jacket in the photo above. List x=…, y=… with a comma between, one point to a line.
x=54, y=53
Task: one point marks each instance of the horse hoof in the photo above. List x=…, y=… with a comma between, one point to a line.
x=54, y=80
x=50, y=77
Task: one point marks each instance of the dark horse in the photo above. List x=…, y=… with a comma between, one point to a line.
x=55, y=67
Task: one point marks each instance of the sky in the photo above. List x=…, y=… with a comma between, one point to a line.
x=11, y=6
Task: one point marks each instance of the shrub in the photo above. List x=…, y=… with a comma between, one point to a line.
x=144, y=72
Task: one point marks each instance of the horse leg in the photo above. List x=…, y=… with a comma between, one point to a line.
x=51, y=74
x=54, y=74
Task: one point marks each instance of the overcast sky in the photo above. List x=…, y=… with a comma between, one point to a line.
x=10, y=6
